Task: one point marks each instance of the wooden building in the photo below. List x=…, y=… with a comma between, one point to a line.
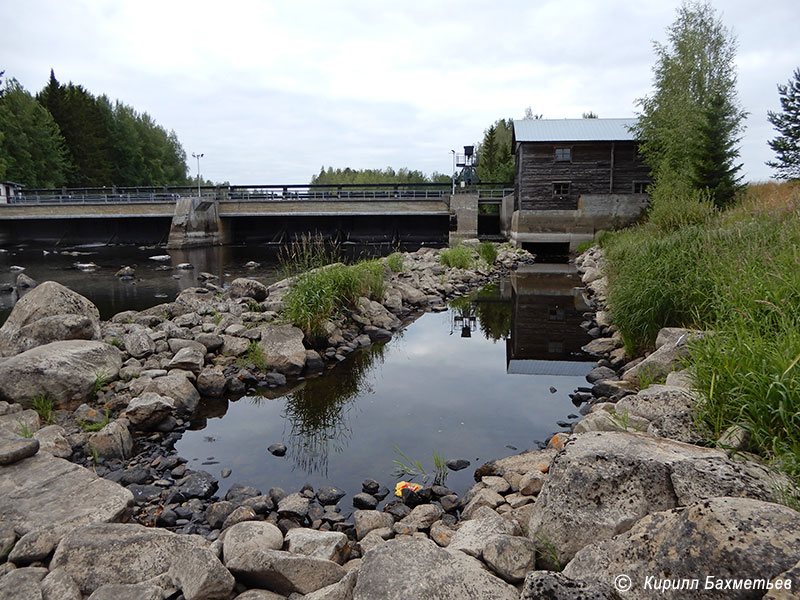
x=574, y=176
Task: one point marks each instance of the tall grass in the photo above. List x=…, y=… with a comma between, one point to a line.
x=738, y=274
x=395, y=262
x=306, y=253
x=318, y=295
x=488, y=252
x=459, y=257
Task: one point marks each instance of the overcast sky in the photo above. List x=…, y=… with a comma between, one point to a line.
x=271, y=91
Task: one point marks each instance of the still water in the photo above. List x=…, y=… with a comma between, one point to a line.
x=480, y=381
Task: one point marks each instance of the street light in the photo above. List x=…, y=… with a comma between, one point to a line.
x=453, y=176
x=198, y=157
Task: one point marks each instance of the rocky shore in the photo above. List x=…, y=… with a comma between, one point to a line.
x=97, y=504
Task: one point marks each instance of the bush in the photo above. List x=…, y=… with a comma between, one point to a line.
x=459, y=257
x=488, y=252
x=395, y=262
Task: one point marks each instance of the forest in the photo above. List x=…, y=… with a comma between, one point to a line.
x=66, y=136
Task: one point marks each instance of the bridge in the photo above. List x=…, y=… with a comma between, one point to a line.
x=191, y=216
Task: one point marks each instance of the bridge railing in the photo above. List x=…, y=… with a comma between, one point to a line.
x=336, y=192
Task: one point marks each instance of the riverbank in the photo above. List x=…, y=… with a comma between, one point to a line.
x=602, y=502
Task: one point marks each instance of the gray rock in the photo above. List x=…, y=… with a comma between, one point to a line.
x=282, y=346
x=198, y=484
x=211, y=341
x=726, y=538
x=32, y=494
x=422, y=517
x=249, y=536
x=283, y=572
x=59, y=585
x=417, y=568
x=139, y=344
x=67, y=371
x=485, y=497
x=531, y=483
x=538, y=460
x=656, y=401
x=178, y=386
x=600, y=346
x=669, y=356
x=600, y=373
x=98, y=555
x=188, y=359
x=473, y=536
x=132, y=591
x=177, y=344
x=510, y=556
x=341, y=590
x=263, y=595
x=327, y=495
x=24, y=282
x=328, y=545
x=294, y=506
x=239, y=515
x=365, y=501
x=14, y=448
x=368, y=520
x=34, y=546
x=234, y=346
x=217, y=512
x=22, y=584
x=50, y=299
x=15, y=422
x=248, y=288
x=602, y=483
x=149, y=409
x=112, y=441
x=557, y=586
x=211, y=382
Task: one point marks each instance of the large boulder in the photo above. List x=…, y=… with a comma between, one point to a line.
x=672, y=350
x=282, y=346
x=413, y=567
x=178, y=386
x=248, y=288
x=604, y=482
x=102, y=554
x=67, y=371
x=50, y=312
x=723, y=539
x=284, y=572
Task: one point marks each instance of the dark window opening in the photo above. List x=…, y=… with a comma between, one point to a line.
x=561, y=189
x=640, y=187
x=563, y=154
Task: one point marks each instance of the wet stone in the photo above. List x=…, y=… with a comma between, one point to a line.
x=329, y=495
x=457, y=464
x=365, y=501
x=277, y=449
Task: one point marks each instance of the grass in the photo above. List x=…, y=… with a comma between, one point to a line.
x=488, y=252
x=407, y=467
x=100, y=380
x=306, y=253
x=737, y=273
x=44, y=405
x=317, y=296
x=90, y=427
x=25, y=431
x=253, y=357
x=459, y=257
x=395, y=262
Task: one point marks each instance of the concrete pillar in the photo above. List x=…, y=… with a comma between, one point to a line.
x=465, y=207
x=196, y=223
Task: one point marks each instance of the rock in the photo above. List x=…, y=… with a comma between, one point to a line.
x=327, y=495
x=604, y=482
x=188, y=359
x=211, y=341
x=277, y=449
x=511, y=557
x=149, y=409
x=418, y=568
x=341, y=590
x=328, y=545
x=38, y=318
x=263, y=595
x=67, y=371
x=176, y=385
x=472, y=536
x=198, y=484
x=457, y=464
x=612, y=387
x=126, y=272
x=211, y=382
x=14, y=448
x=217, y=512
x=138, y=344
x=422, y=517
x=600, y=346
x=22, y=584
x=600, y=373
x=133, y=591
x=601, y=420
x=284, y=572
x=32, y=494
x=498, y=484
x=557, y=586
x=59, y=585
x=485, y=497
x=531, y=483
x=369, y=520
x=53, y=439
x=668, y=357
x=726, y=538
x=294, y=506
x=532, y=460
x=238, y=493
x=249, y=536
x=112, y=441
x=239, y=515
x=24, y=282
x=34, y=546
x=365, y=501
x=656, y=401
x=248, y=288
x=441, y=534
x=102, y=554
x=282, y=346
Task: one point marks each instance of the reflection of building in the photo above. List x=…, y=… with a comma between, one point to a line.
x=547, y=308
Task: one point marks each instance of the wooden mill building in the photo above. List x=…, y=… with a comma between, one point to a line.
x=572, y=178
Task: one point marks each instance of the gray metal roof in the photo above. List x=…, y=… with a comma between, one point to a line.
x=573, y=130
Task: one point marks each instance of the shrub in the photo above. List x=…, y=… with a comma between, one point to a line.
x=395, y=262
x=459, y=257
x=488, y=252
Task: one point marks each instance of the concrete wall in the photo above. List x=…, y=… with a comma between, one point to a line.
x=196, y=223
x=595, y=213
x=465, y=207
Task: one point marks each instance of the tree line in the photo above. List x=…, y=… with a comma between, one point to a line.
x=66, y=136
x=331, y=176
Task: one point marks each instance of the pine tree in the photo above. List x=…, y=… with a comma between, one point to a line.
x=787, y=145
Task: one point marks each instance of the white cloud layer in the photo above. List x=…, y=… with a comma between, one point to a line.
x=271, y=91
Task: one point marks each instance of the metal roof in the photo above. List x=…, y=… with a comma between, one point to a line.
x=573, y=130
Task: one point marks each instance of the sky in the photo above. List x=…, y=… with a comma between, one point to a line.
x=270, y=91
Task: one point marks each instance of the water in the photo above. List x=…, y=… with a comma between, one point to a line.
x=473, y=382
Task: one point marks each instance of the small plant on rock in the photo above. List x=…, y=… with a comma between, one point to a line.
x=254, y=357
x=395, y=262
x=459, y=257
x=488, y=252
x=43, y=405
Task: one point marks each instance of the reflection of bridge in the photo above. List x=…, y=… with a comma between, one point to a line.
x=370, y=212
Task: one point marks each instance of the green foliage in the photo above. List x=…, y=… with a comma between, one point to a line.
x=32, y=149
x=690, y=126
x=395, y=262
x=378, y=176
x=584, y=246
x=406, y=467
x=254, y=357
x=44, y=405
x=25, y=431
x=787, y=123
x=738, y=274
x=318, y=295
x=488, y=252
x=496, y=163
x=90, y=427
x=117, y=342
x=100, y=380
x=306, y=253
x=216, y=317
x=459, y=257
x=674, y=206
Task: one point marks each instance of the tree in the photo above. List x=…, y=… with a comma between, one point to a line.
x=496, y=163
x=787, y=145
x=530, y=115
x=589, y=115
x=688, y=129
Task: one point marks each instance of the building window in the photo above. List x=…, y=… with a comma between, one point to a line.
x=555, y=347
x=561, y=189
x=640, y=187
x=563, y=154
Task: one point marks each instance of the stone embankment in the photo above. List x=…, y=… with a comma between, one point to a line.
x=625, y=494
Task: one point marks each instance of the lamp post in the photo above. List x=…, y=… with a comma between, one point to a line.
x=198, y=157
x=453, y=176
